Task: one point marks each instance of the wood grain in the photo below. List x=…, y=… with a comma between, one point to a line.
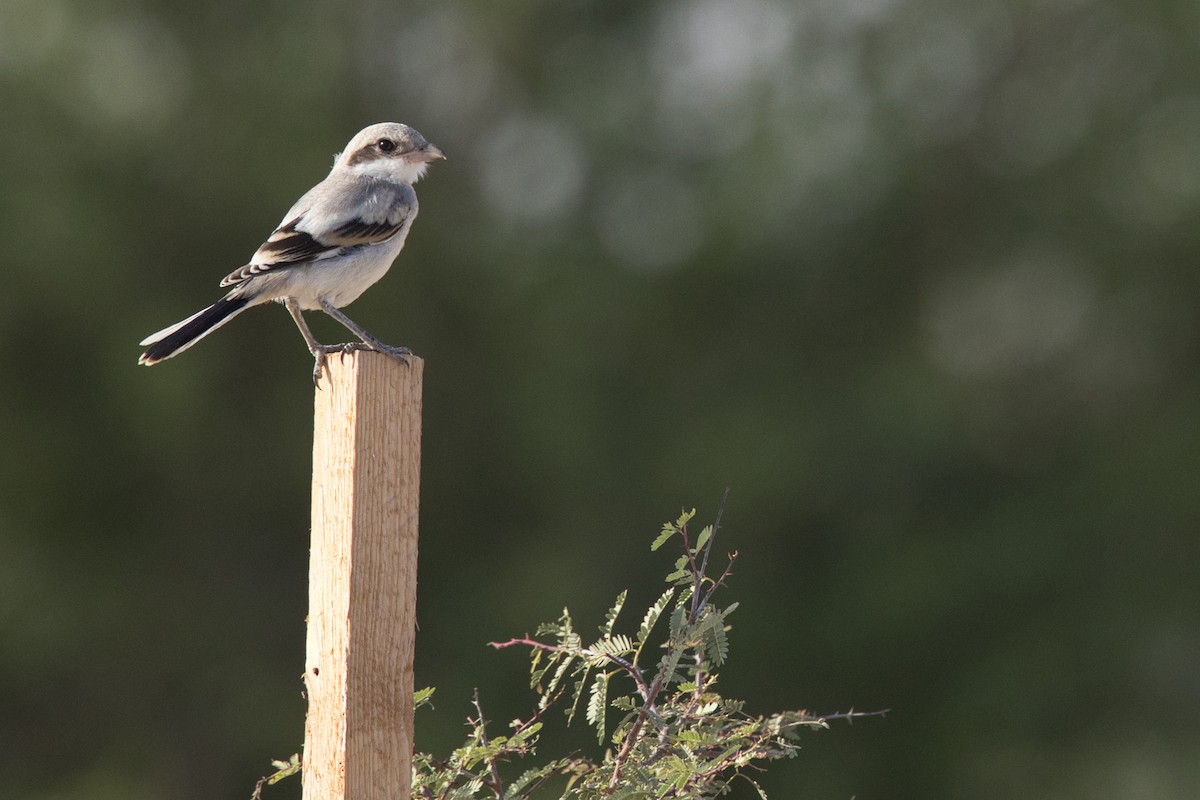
x=363, y=579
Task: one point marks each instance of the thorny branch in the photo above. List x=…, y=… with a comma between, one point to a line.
x=632, y=670
x=716, y=527
x=481, y=724
x=697, y=607
x=704, y=741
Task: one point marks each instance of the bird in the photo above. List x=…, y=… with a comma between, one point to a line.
x=337, y=240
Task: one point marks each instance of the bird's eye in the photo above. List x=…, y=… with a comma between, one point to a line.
x=386, y=145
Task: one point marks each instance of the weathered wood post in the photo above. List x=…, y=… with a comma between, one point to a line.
x=362, y=583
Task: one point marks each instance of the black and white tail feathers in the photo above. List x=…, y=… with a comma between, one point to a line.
x=182, y=335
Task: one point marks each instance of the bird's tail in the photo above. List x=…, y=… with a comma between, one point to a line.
x=182, y=335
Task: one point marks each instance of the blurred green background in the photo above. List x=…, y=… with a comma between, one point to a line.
x=916, y=279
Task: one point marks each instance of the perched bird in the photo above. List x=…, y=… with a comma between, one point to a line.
x=337, y=240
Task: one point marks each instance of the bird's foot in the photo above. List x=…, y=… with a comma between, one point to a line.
x=322, y=352
x=321, y=355
x=398, y=353
x=319, y=358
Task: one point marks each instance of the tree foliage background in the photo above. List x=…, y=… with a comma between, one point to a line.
x=916, y=279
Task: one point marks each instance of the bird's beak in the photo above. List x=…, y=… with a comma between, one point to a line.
x=429, y=153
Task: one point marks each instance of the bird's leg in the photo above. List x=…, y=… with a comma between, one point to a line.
x=318, y=350
x=397, y=353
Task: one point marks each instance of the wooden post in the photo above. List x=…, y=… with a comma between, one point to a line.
x=362, y=583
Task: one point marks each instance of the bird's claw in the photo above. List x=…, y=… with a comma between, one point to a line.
x=399, y=353
x=348, y=347
x=321, y=354
x=319, y=366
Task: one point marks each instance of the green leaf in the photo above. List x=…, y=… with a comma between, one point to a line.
x=529, y=781
x=754, y=783
x=652, y=615
x=712, y=633
x=536, y=671
x=284, y=769
x=598, y=704
x=667, y=532
x=625, y=703
x=579, y=685
x=565, y=631
x=689, y=743
x=678, y=618
x=669, y=663
x=526, y=734
x=682, y=573
x=679, y=576
x=685, y=518
x=559, y=673
x=291, y=762
x=422, y=696
x=610, y=619
x=617, y=645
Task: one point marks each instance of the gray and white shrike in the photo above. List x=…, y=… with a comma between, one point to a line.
x=334, y=243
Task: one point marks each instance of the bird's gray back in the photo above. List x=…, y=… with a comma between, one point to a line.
x=342, y=197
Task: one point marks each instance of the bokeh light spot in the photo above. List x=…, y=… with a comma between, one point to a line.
x=533, y=169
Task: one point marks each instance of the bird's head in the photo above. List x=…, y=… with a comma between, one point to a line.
x=391, y=151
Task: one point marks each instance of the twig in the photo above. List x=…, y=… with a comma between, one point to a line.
x=497, y=785
x=636, y=729
x=699, y=571
x=713, y=537
x=719, y=581
x=528, y=642
x=283, y=770
x=697, y=605
x=852, y=715
x=632, y=670
x=626, y=748
x=697, y=575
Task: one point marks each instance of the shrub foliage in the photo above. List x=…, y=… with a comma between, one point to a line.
x=650, y=693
